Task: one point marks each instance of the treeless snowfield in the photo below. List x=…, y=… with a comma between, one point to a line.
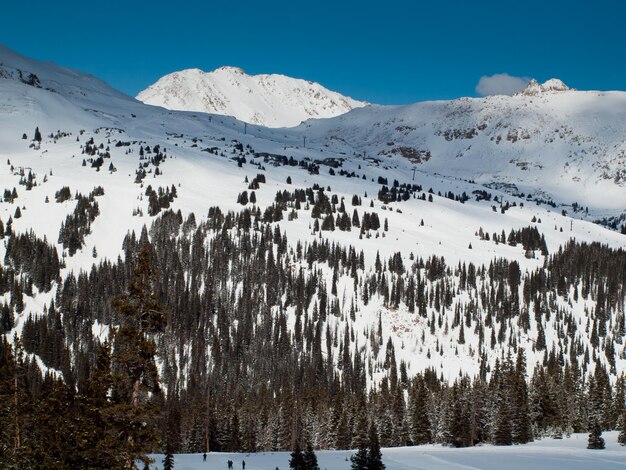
x=548, y=454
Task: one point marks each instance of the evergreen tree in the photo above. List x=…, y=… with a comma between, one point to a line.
x=21, y=407
x=368, y=455
x=621, y=438
x=97, y=415
x=310, y=459
x=420, y=424
x=7, y=402
x=168, y=461
x=360, y=459
x=595, y=437
x=501, y=425
x=296, y=462
x=53, y=426
x=374, y=456
x=521, y=430
x=136, y=379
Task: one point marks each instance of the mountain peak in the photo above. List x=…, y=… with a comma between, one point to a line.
x=552, y=85
x=269, y=100
x=230, y=69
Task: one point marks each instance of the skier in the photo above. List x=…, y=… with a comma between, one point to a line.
x=204, y=457
x=243, y=464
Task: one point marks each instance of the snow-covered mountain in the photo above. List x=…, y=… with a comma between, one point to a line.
x=552, y=85
x=557, y=147
x=267, y=100
x=316, y=255
x=556, y=143
x=548, y=140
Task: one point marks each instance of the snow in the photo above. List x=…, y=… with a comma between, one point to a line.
x=548, y=454
x=588, y=121
x=268, y=100
x=568, y=146
x=552, y=85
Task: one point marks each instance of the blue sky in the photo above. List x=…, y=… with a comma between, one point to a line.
x=389, y=52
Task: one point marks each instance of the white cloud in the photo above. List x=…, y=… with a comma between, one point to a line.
x=500, y=84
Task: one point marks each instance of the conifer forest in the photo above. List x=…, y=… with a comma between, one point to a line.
x=203, y=356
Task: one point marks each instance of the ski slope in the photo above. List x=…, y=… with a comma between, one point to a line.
x=549, y=454
x=564, y=144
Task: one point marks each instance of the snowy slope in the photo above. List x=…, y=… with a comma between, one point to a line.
x=267, y=100
x=71, y=102
x=47, y=76
x=554, y=142
x=547, y=454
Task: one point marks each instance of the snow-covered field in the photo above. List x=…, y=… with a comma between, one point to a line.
x=548, y=454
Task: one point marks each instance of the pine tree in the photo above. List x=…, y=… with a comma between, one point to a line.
x=52, y=428
x=310, y=459
x=521, y=429
x=368, y=455
x=37, y=136
x=595, y=436
x=136, y=378
x=168, y=461
x=374, y=456
x=97, y=415
x=360, y=459
x=501, y=424
x=7, y=399
x=296, y=462
x=621, y=438
x=596, y=409
x=420, y=424
x=21, y=399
